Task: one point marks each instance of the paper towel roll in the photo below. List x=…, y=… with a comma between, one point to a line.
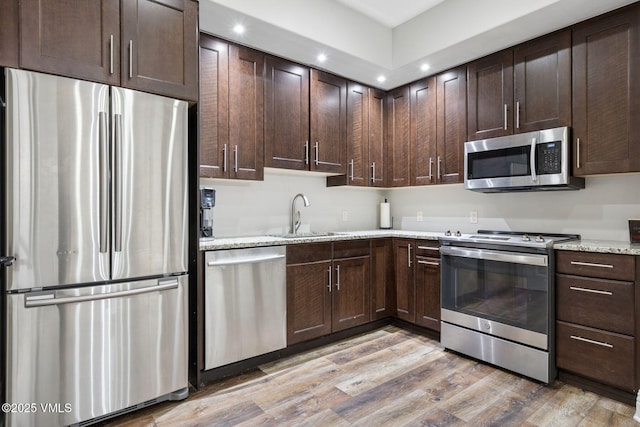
x=385, y=215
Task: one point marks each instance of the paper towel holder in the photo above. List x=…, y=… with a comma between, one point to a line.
x=386, y=220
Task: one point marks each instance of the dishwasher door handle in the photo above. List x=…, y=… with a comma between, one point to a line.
x=244, y=260
x=50, y=299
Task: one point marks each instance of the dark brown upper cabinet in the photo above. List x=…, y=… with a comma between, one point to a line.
x=542, y=83
x=451, y=125
x=423, y=131
x=286, y=115
x=377, y=137
x=438, y=128
x=521, y=89
x=9, y=33
x=72, y=38
x=357, y=134
x=160, y=46
x=366, y=135
x=231, y=111
x=328, y=123
x=399, y=137
x=606, y=93
x=139, y=44
x=490, y=87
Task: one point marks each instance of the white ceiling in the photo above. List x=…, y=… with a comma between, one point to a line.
x=391, y=13
x=361, y=48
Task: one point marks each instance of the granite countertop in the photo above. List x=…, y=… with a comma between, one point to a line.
x=256, y=241
x=601, y=246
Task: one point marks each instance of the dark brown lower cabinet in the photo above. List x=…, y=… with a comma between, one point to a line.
x=350, y=294
x=327, y=295
x=404, y=279
x=382, y=284
x=308, y=298
x=428, y=292
x=596, y=298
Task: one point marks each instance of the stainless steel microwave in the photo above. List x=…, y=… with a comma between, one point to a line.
x=531, y=161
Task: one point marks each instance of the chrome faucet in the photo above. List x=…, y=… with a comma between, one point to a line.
x=295, y=215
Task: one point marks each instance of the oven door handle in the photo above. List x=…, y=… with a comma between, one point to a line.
x=501, y=256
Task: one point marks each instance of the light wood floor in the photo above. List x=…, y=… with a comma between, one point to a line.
x=388, y=377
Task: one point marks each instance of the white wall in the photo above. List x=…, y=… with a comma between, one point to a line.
x=246, y=208
x=600, y=211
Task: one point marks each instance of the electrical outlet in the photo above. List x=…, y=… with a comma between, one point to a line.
x=345, y=215
x=419, y=217
x=473, y=217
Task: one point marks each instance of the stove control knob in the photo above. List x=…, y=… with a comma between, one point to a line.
x=458, y=233
x=447, y=233
x=526, y=238
x=540, y=239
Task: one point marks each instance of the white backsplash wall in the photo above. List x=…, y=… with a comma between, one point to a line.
x=600, y=211
x=249, y=208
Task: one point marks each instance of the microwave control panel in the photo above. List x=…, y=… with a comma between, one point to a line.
x=549, y=158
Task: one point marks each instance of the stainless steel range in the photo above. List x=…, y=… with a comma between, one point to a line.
x=498, y=299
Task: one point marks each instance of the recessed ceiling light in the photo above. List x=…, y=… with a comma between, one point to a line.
x=381, y=79
x=322, y=57
x=425, y=67
x=238, y=29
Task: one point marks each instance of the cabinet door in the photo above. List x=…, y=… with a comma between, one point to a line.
x=357, y=134
x=286, y=115
x=377, y=137
x=382, y=289
x=351, y=304
x=423, y=131
x=159, y=47
x=9, y=35
x=328, y=122
x=246, y=106
x=399, y=137
x=606, y=90
x=308, y=301
x=451, y=125
x=75, y=38
x=542, y=83
x=403, y=250
x=428, y=292
x=213, y=115
x=491, y=96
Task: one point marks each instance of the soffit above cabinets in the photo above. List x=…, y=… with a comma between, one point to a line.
x=391, y=13
x=359, y=47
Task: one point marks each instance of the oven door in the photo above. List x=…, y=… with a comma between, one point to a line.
x=501, y=293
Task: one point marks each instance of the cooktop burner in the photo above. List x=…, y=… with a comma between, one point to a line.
x=514, y=238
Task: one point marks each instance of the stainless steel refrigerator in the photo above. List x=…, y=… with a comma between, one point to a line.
x=96, y=217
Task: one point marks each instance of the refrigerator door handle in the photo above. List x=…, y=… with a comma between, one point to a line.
x=104, y=182
x=42, y=300
x=118, y=183
x=6, y=261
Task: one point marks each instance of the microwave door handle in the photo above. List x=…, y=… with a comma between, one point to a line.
x=532, y=160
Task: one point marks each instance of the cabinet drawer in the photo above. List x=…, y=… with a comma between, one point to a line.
x=599, y=303
x=596, y=354
x=351, y=248
x=428, y=248
x=308, y=252
x=605, y=266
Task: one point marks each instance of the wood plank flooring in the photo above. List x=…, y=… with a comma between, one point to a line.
x=388, y=377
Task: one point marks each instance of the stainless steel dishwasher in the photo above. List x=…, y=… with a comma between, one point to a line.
x=245, y=304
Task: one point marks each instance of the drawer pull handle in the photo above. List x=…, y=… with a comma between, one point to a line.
x=428, y=262
x=593, y=291
x=603, y=344
x=591, y=264
x=429, y=248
